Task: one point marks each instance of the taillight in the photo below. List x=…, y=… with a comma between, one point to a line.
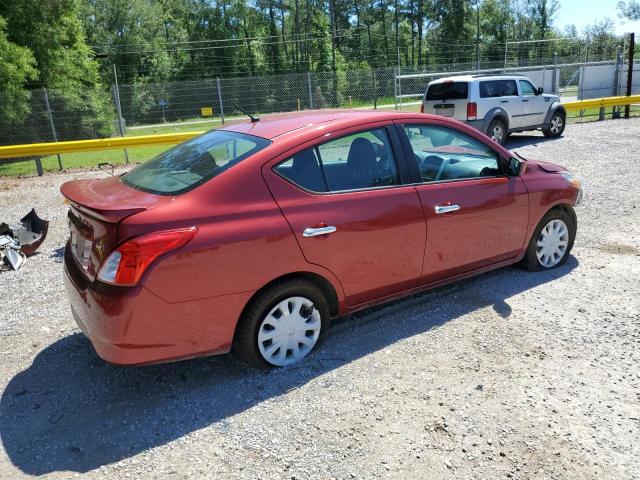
x=472, y=111
x=127, y=263
x=422, y=108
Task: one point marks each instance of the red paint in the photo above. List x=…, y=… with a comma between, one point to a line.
x=249, y=221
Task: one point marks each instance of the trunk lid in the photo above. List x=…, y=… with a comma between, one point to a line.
x=97, y=207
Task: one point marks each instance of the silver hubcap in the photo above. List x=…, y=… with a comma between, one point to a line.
x=289, y=331
x=552, y=243
x=556, y=125
x=497, y=134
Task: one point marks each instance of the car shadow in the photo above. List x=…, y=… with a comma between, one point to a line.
x=519, y=141
x=71, y=411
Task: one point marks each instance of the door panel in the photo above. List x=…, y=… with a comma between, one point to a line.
x=490, y=225
x=475, y=215
x=378, y=245
x=510, y=101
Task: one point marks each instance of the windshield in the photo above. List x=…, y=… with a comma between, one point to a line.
x=193, y=162
x=448, y=91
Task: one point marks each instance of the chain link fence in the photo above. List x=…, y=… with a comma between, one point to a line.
x=146, y=108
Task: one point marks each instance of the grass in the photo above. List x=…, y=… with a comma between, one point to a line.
x=142, y=154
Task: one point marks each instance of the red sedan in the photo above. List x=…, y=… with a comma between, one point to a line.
x=254, y=236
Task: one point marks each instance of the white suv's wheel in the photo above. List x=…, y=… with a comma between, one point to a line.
x=556, y=125
x=497, y=132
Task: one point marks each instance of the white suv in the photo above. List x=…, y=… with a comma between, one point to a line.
x=496, y=104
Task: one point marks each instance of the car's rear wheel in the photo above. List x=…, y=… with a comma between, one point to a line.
x=556, y=125
x=551, y=242
x=282, y=324
x=498, y=131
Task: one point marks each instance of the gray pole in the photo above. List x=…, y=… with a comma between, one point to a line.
x=310, y=90
x=53, y=126
x=220, y=100
x=395, y=86
x=375, y=89
x=630, y=65
x=555, y=78
x=119, y=111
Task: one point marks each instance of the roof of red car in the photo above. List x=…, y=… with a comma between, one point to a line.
x=272, y=126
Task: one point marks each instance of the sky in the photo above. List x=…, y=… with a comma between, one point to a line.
x=584, y=12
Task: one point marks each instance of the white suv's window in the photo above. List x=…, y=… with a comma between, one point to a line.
x=489, y=89
x=527, y=88
x=445, y=154
x=507, y=88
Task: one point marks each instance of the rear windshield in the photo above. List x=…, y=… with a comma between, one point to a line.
x=448, y=91
x=193, y=162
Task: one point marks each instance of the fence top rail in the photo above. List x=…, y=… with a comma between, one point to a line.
x=503, y=69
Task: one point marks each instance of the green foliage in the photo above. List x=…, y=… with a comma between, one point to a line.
x=16, y=69
x=630, y=9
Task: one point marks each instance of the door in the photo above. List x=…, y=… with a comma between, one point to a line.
x=350, y=214
x=510, y=101
x=489, y=95
x=476, y=215
x=447, y=98
x=535, y=106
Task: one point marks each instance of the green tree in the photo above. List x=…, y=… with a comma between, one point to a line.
x=16, y=69
x=630, y=9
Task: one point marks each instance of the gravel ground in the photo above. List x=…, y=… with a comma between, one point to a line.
x=507, y=375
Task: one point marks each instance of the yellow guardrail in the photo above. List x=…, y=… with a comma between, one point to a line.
x=601, y=102
x=43, y=149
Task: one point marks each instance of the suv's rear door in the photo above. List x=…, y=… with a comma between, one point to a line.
x=510, y=102
x=488, y=97
x=447, y=98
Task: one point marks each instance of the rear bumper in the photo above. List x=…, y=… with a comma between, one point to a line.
x=132, y=326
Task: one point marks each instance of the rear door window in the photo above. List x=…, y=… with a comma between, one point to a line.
x=361, y=160
x=448, y=91
x=508, y=88
x=193, y=162
x=489, y=89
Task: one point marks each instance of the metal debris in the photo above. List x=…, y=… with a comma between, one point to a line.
x=21, y=241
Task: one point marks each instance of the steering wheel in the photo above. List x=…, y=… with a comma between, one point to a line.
x=429, y=166
x=445, y=163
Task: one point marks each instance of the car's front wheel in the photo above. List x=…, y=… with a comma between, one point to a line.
x=282, y=324
x=551, y=242
x=556, y=125
x=498, y=131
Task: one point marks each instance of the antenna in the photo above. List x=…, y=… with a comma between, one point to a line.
x=254, y=119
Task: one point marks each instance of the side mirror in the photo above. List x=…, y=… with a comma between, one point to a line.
x=514, y=167
x=539, y=91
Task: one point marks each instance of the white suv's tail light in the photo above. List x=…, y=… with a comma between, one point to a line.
x=472, y=111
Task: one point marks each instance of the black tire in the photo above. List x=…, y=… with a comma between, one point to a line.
x=495, y=126
x=556, y=125
x=530, y=261
x=245, y=342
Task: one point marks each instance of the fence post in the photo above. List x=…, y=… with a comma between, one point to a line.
x=632, y=46
x=53, y=126
x=615, y=111
x=395, y=86
x=116, y=97
x=554, y=77
x=220, y=99
x=375, y=89
x=310, y=90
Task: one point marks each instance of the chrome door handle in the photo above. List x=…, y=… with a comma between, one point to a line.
x=447, y=208
x=525, y=100
x=314, y=232
x=504, y=101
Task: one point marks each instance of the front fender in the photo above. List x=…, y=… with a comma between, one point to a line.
x=555, y=106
